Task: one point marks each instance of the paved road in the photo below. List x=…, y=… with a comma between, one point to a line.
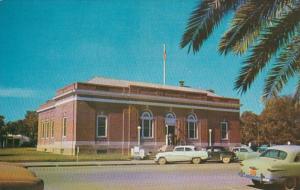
x=174, y=176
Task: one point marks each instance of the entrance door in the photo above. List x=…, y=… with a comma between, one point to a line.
x=170, y=121
x=171, y=135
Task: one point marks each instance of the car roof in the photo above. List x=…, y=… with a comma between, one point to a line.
x=186, y=146
x=288, y=148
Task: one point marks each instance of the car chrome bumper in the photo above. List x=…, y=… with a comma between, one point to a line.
x=261, y=178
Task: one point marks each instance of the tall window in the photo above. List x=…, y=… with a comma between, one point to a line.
x=52, y=128
x=224, y=130
x=64, y=127
x=43, y=134
x=192, y=126
x=101, y=126
x=146, y=123
x=46, y=129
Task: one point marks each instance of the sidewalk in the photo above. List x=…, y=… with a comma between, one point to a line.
x=87, y=163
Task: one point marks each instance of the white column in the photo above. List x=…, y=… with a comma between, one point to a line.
x=210, y=130
x=139, y=135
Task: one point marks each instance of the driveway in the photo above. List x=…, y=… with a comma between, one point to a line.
x=172, y=176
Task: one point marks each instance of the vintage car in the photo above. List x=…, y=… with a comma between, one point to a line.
x=262, y=148
x=181, y=154
x=219, y=153
x=277, y=165
x=244, y=153
x=17, y=177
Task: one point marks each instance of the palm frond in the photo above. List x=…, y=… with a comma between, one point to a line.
x=204, y=19
x=273, y=37
x=287, y=65
x=247, y=23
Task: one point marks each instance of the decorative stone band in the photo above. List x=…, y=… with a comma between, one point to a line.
x=134, y=102
x=119, y=144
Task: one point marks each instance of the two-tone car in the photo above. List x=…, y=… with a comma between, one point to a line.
x=276, y=165
x=219, y=153
x=181, y=154
x=244, y=153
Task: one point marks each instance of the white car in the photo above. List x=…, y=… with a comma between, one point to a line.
x=181, y=154
x=244, y=153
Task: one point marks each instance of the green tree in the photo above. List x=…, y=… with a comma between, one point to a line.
x=249, y=128
x=31, y=124
x=2, y=129
x=261, y=29
x=279, y=121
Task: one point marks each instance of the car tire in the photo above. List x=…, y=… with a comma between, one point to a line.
x=256, y=183
x=196, y=160
x=290, y=183
x=162, y=161
x=226, y=160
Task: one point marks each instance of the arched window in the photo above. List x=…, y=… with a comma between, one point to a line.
x=170, y=119
x=192, y=126
x=146, y=124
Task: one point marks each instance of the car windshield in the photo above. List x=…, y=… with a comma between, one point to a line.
x=276, y=154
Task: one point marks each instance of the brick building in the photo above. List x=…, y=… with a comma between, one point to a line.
x=104, y=114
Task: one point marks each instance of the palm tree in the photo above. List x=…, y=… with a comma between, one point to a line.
x=261, y=28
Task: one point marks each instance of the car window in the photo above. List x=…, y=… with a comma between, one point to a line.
x=276, y=154
x=243, y=150
x=179, y=149
x=188, y=149
x=235, y=150
x=297, y=159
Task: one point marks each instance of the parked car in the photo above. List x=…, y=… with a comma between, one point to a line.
x=219, y=153
x=262, y=148
x=277, y=165
x=17, y=177
x=244, y=153
x=180, y=154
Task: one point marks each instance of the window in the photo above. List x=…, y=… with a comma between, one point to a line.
x=52, y=128
x=192, y=126
x=46, y=129
x=297, y=158
x=276, y=154
x=224, y=130
x=188, y=149
x=64, y=127
x=243, y=150
x=43, y=135
x=101, y=126
x=179, y=149
x=146, y=120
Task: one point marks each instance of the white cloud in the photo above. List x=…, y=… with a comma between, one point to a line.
x=17, y=92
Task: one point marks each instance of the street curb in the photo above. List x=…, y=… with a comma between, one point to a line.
x=79, y=164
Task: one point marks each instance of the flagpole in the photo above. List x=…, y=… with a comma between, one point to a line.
x=164, y=57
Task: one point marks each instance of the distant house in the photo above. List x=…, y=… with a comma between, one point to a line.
x=15, y=140
x=104, y=114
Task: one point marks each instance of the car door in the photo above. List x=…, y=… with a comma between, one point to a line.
x=293, y=168
x=215, y=153
x=177, y=155
x=243, y=154
x=188, y=153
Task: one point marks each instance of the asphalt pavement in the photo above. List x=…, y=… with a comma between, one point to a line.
x=212, y=176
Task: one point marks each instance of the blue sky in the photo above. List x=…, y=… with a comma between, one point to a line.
x=45, y=45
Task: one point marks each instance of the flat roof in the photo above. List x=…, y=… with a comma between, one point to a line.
x=125, y=83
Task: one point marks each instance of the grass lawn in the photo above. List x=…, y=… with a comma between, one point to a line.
x=31, y=155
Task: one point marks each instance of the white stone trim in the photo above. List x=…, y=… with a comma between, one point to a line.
x=134, y=102
x=153, y=104
x=150, y=97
